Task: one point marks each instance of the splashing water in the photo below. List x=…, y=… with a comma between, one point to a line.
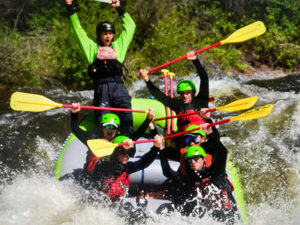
x=265, y=151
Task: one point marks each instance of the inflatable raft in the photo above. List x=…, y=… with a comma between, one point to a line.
x=72, y=156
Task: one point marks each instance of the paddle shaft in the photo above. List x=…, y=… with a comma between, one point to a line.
x=185, y=114
x=183, y=57
x=172, y=96
x=218, y=122
x=138, y=142
x=167, y=108
x=238, y=105
x=189, y=131
x=175, y=135
x=105, y=108
x=104, y=1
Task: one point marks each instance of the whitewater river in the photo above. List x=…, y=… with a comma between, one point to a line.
x=266, y=152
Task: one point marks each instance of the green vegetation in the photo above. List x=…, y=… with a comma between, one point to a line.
x=37, y=48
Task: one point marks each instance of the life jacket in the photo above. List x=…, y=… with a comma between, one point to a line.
x=92, y=161
x=185, y=121
x=106, y=67
x=207, y=164
x=116, y=186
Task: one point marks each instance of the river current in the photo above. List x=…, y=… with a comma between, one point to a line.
x=265, y=151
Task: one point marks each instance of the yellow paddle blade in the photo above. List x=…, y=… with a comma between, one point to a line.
x=21, y=101
x=254, y=113
x=240, y=104
x=252, y=30
x=101, y=147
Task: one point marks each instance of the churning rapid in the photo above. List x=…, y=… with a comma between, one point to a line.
x=266, y=152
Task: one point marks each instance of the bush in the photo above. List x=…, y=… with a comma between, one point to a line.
x=38, y=49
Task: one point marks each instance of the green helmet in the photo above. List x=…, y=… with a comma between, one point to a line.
x=194, y=150
x=110, y=119
x=186, y=85
x=121, y=139
x=196, y=132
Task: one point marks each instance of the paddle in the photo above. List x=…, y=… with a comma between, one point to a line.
x=101, y=147
x=104, y=1
x=237, y=105
x=165, y=73
x=21, y=101
x=243, y=34
x=172, y=96
x=249, y=115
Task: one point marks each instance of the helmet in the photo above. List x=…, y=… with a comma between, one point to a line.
x=120, y=139
x=186, y=85
x=110, y=119
x=196, y=132
x=120, y=149
x=194, y=150
x=105, y=26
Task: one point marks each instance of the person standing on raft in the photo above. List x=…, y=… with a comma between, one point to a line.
x=189, y=101
x=105, y=60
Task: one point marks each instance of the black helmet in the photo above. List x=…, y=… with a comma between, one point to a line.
x=105, y=26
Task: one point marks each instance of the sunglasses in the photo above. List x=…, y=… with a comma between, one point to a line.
x=190, y=139
x=194, y=158
x=112, y=127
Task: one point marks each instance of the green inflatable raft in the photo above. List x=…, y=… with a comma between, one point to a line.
x=73, y=153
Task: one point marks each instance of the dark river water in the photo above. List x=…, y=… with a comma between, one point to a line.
x=265, y=151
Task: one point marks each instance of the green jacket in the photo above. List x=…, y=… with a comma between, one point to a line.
x=90, y=48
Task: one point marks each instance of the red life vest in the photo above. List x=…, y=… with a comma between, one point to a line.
x=116, y=186
x=92, y=159
x=208, y=159
x=185, y=121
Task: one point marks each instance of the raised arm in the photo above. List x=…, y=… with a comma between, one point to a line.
x=167, y=170
x=87, y=45
x=82, y=135
x=142, y=128
x=122, y=43
x=147, y=158
x=202, y=98
x=173, y=104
